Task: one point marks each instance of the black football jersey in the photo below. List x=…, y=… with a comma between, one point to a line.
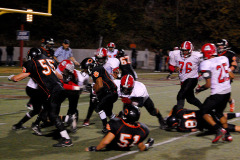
x=108, y=84
x=42, y=72
x=126, y=67
x=126, y=135
x=187, y=120
x=191, y=119
x=230, y=55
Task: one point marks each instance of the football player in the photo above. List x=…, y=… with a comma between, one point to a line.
x=170, y=67
x=224, y=50
x=135, y=92
x=36, y=100
x=40, y=68
x=111, y=65
x=73, y=82
x=104, y=88
x=47, y=47
x=111, y=51
x=216, y=72
x=125, y=64
x=187, y=120
x=125, y=133
x=186, y=63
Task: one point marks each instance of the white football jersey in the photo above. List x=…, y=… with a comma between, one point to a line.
x=218, y=67
x=188, y=67
x=112, y=54
x=139, y=90
x=32, y=84
x=172, y=55
x=111, y=65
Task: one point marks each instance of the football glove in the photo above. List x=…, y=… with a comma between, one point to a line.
x=92, y=148
x=200, y=89
x=10, y=77
x=149, y=143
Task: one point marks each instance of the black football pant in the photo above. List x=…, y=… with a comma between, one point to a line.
x=73, y=97
x=217, y=102
x=106, y=103
x=187, y=92
x=53, y=108
x=37, y=98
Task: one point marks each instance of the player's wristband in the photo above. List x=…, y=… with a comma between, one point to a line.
x=92, y=148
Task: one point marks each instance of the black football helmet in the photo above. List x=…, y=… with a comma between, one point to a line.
x=47, y=43
x=88, y=64
x=131, y=113
x=222, y=45
x=33, y=53
x=172, y=121
x=120, y=53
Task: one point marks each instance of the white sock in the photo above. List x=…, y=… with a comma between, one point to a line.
x=66, y=118
x=28, y=115
x=112, y=116
x=237, y=114
x=102, y=114
x=64, y=134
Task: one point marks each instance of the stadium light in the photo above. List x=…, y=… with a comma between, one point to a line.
x=29, y=16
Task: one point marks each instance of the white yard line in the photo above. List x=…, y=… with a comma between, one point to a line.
x=161, y=143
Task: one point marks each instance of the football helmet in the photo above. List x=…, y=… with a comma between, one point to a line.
x=120, y=53
x=172, y=121
x=222, y=45
x=111, y=46
x=48, y=43
x=88, y=64
x=131, y=113
x=186, y=49
x=101, y=56
x=33, y=53
x=66, y=65
x=127, y=84
x=208, y=50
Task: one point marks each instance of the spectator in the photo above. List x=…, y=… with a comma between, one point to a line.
x=165, y=60
x=9, y=50
x=134, y=58
x=65, y=52
x=158, y=61
x=0, y=56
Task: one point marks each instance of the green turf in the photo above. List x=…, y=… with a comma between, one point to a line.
x=23, y=145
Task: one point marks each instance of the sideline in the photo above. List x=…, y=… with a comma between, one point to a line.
x=161, y=143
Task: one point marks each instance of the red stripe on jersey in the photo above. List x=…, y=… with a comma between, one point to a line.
x=47, y=91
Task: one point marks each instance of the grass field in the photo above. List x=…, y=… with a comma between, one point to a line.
x=24, y=145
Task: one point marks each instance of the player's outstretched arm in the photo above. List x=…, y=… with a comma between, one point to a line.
x=104, y=142
x=19, y=77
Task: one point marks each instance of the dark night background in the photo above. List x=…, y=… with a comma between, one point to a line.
x=147, y=23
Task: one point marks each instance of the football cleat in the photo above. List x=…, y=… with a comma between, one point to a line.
x=18, y=127
x=36, y=129
x=104, y=130
x=86, y=122
x=220, y=132
x=29, y=106
x=64, y=143
x=227, y=138
x=232, y=105
x=163, y=124
x=74, y=123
